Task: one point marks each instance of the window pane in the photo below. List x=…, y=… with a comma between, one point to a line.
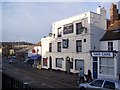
x=44, y=61
x=59, y=62
x=78, y=64
x=109, y=85
x=110, y=71
x=103, y=70
x=110, y=62
x=103, y=61
x=97, y=83
x=59, y=46
x=78, y=45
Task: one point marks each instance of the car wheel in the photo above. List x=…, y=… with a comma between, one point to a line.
x=82, y=88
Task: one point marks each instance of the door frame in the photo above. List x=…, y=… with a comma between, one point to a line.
x=95, y=62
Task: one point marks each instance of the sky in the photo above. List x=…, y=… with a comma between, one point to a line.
x=30, y=21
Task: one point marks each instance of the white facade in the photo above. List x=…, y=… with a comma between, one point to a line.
x=107, y=59
x=69, y=59
x=115, y=59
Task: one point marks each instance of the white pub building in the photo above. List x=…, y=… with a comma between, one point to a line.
x=68, y=46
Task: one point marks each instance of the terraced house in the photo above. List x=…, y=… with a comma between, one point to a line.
x=106, y=62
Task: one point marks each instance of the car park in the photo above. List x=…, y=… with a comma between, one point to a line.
x=101, y=84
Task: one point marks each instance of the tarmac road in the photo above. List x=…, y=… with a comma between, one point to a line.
x=36, y=78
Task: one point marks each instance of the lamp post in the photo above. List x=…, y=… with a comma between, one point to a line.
x=18, y=47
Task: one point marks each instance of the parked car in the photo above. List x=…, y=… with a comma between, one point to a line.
x=12, y=59
x=100, y=84
x=29, y=61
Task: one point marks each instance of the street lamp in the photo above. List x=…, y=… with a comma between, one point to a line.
x=18, y=39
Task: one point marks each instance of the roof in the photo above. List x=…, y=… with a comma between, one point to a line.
x=111, y=35
x=38, y=44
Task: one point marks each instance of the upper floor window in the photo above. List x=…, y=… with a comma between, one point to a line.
x=80, y=29
x=65, y=43
x=79, y=46
x=59, y=31
x=50, y=47
x=67, y=29
x=59, y=46
x=110, y=46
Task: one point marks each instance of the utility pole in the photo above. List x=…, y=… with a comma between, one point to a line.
x=18, y=47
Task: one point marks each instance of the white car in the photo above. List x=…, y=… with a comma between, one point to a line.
x=100, y=84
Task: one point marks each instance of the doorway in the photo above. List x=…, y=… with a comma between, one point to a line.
x=67, y=65
x=50, y=62
x=95, y=67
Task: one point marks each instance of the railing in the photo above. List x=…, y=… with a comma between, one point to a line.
x=10, y=83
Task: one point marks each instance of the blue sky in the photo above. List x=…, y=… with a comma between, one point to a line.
x=30, y=21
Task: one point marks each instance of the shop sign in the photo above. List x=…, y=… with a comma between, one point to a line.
x=102, y=54
x=67, y=29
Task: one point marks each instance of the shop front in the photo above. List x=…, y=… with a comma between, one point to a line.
x=36, y=61
x=105, y=64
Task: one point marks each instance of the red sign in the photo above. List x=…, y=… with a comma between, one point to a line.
x=33, y=51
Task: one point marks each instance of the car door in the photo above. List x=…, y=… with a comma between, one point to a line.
x=95, y=85
x=109, y=85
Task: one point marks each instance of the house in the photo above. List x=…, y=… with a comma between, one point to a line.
x=67, y=46
x=106, y=61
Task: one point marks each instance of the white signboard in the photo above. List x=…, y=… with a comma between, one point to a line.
x=102, y=54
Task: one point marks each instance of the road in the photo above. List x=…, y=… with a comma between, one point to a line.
x=33, y=77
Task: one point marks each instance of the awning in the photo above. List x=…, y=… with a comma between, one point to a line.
x=36, y=57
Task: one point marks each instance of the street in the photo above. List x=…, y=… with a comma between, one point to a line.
x=39, y=78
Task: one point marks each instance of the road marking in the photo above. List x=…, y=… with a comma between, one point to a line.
x=44, y=84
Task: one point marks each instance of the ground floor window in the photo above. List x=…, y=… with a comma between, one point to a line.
x=106, y=66
x=44, y=61
x=59, y=62
x=79, y=64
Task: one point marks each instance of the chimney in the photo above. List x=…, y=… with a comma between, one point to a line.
x=113, y=13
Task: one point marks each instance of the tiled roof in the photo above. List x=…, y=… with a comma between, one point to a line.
x=111, y=35
x=38, y=44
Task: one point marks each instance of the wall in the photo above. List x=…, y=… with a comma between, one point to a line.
x=116, y=44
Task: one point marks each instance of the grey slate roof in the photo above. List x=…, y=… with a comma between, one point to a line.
x=111, y=35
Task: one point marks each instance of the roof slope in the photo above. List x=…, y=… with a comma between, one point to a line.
x=111, y=35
